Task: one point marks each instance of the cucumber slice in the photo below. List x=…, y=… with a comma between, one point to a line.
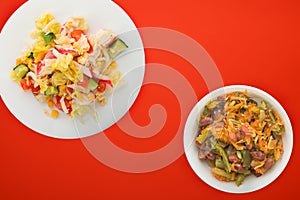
x=92, y=85
x=116, y=48
x=51, y=90
x=21, y=70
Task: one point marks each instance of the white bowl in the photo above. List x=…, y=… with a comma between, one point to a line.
x=251, y=183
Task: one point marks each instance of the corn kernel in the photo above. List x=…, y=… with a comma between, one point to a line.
x=30, y=65
x=91, y=96
x=68, y=97
x=113, y=64
x=62, y=87
x=62, y=90
x=13, y=75
x=50, y=104
x=54, y=113
x=19, y=61
x=102, y=101
x=48, y=99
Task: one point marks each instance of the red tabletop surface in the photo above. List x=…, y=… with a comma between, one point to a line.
x=252, y=42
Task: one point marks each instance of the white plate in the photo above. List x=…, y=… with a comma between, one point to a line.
x=99, y=14
x=251, y=183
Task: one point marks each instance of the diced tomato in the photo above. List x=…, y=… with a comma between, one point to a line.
x=84, y=83
x=76, y=34
x=25, y=84
x=35, y=90
x=101, y=86
x=68, y=105
x=108, y=82
x=57, y=103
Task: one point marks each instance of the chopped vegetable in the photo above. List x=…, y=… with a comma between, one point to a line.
x=25, y=84
x=272, y=117
x=223, y=175
x=261, y=115
x=116, y=48
x=30, y=55
x=51, y=90
x=239, y=154
x=219, y=163
x=202, y=137
x=76, y=34
x=92, y=85
x=231, y=103
x=246, y=158
x=21, y=70
x=239, y=179
x=224, y=157
x=48, y=37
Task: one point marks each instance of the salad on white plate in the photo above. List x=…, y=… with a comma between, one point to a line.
x=66, y=67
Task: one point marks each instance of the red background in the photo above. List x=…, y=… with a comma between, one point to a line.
x=252, y=42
